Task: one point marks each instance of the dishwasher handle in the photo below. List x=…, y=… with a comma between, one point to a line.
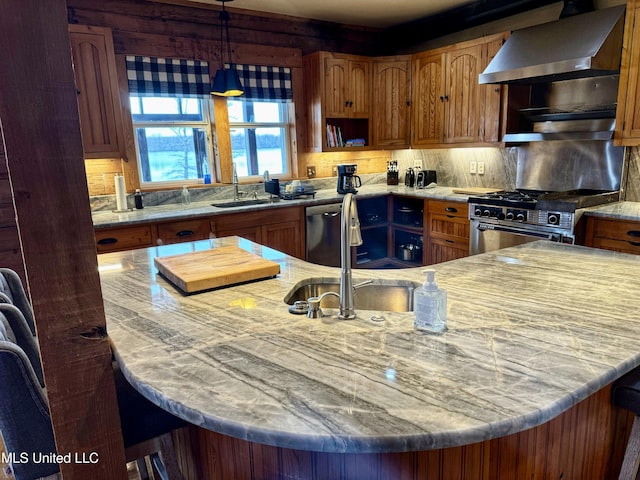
x=332, y=209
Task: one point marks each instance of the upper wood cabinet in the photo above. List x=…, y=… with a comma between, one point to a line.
x=391, y=106
x=98, y=95
x=338, y=97
x=449, y=106
x=628, y=111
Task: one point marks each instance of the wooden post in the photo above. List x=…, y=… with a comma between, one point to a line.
x=41, y=130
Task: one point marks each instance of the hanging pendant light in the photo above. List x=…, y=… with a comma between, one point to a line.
x=226, y=82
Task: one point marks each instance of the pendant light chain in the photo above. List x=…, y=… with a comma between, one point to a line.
x=226, y=82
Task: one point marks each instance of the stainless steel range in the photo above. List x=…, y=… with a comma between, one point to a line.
x=555, y=181
x=510, y=218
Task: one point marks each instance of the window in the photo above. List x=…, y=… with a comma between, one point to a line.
x=259, y=136
x=172, y=138
x=170, y=106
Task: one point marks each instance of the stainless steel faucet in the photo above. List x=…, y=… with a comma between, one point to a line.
x=236, y=193
x=350, y=236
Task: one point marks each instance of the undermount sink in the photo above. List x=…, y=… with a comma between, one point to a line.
x=380, y=295
x=240, y=203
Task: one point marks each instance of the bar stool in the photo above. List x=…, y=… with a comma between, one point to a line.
x=626, y=394
x=25, y=424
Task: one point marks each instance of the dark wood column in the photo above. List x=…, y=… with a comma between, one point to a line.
x=40, y=126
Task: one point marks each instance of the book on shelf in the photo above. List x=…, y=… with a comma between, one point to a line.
x=334, y=136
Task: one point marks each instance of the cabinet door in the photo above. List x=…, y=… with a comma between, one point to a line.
x=336, y=79
x=391, y=102
x=490, y=113
x=428, y=99
x=98, y=96
x=628, y=111
x=359, y=89
x=462, y=95
x=285, y=237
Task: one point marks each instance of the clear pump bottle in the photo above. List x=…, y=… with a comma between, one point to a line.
x=186, y=195
x=430, y=306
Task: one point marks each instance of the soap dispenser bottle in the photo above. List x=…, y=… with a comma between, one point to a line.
x=430, y=306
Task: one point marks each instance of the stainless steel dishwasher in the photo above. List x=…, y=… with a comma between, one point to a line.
x=323, y=234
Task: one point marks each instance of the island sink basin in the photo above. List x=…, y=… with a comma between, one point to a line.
x=380, y=295
x=240, y=203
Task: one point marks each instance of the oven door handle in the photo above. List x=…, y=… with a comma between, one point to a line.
x=518, y=231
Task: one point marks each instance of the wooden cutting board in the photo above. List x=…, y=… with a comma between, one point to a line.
x=219, y=267
x=477, y=190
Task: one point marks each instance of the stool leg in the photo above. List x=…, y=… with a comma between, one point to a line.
x=168, y=457
x=631, y=460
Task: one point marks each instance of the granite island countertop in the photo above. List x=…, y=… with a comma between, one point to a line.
x=177, y=211
x=533, y=330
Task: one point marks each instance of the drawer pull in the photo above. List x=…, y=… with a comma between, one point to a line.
x=184, y=233
x=634, y=233
x=451, y=209
x=107, y=241
x=635, y=244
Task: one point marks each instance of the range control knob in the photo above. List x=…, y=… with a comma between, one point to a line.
x=553, y=219
x=500, y=216
x=477, y=212
x=486, y=213
x=509, y=215
x=520, y=217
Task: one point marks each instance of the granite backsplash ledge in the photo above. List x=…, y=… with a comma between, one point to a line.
x=217, y=193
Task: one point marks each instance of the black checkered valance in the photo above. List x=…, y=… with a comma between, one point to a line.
x=167, y=77
x=264, y=82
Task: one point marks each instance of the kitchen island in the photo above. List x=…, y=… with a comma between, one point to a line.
x=519, y=383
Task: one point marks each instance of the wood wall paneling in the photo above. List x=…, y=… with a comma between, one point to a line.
x=586, y=442
x=41, y=130
x=200, y=21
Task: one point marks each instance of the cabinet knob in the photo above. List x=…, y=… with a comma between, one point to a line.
x=451, y=209
x=633, y=233
x=184, y=233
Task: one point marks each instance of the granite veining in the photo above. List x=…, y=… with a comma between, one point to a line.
x=533, y=330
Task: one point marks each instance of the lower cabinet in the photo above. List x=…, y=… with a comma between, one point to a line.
x=448, y=231
x=281, y=229
x=617, y=235
x=123, y=238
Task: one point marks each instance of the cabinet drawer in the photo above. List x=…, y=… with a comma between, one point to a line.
x=442, y=226
x=624, y=246
x=115, y=239
x=617, y=230
x=450, y=209
x=183, y=231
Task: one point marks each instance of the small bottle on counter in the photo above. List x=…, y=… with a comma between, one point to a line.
x=137, y=198
x=430, y=306
x=186, y=195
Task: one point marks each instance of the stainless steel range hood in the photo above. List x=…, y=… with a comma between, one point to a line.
x=583, y=45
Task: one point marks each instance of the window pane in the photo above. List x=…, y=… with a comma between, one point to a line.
x=258, y=149
x=166, y=109
x=172, y=153
x=254, y=111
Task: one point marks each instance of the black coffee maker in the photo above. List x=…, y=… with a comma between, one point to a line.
x=348, y=181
